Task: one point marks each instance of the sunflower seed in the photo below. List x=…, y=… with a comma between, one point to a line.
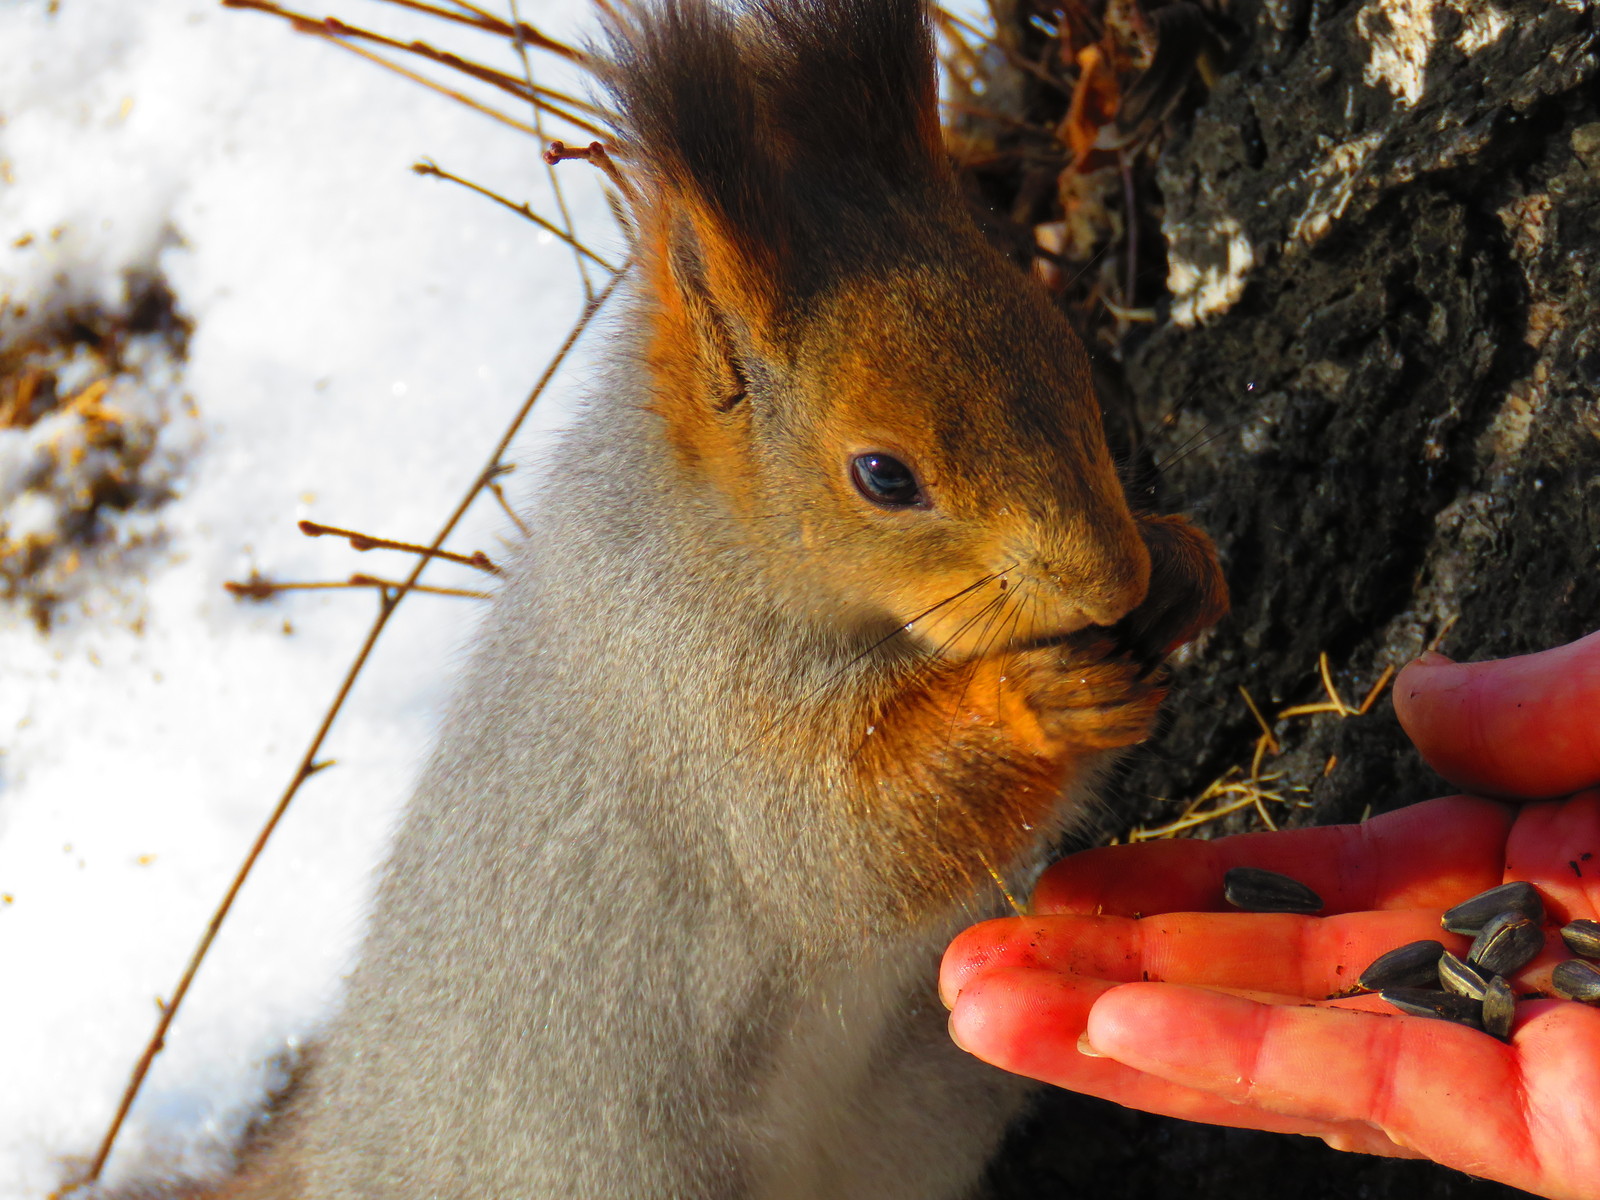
x=1425, y=1002
x=1577, y=980
x=1508, y=943
x=1456, y=976
x=1499, y=1007
x=1257, y=890
x=1470, y=916
x=1415, y=964
x=1582, y=937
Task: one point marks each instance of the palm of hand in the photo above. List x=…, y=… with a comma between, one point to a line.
x=1264, y=1047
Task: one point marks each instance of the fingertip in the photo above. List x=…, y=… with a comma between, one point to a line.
x=1027, y=1021
x=1417, y=690
x=1511, y=727
x=983, y=1018
x=982, y=947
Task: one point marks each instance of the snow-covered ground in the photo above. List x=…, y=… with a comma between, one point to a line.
x=360, y=336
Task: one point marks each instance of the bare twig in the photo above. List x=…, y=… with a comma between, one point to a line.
x=499, y=493
x=477, y=18
x=551, y=101
x=424, y=167
x=1375, y=691
x=549, y=168
x=339, y=34
x=1444, y=632
x=365, y=541
x=259, y=587
x=596, y=153
x=1266, y=730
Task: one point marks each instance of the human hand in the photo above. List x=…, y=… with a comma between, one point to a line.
x=1260, y=1046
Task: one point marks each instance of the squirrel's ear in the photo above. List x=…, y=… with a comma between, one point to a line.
x=690, y=123
x=712, y=303
x=771, y=136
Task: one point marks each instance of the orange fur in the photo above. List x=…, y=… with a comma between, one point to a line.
x=967, y=762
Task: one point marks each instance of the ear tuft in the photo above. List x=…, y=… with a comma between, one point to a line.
x=776, y=120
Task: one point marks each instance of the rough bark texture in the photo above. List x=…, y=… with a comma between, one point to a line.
x=1376, y=386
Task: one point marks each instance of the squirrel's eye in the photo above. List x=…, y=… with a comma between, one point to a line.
x=886, y=480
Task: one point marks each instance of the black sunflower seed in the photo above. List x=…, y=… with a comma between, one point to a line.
x=1499, y=1007
x=1508, y=943
x=1460, y=978
x=1256, y=890
x=1577, y=980
x=1582, y=938
x=1470, y=916
x=1415, y=964
x=1445, y=1006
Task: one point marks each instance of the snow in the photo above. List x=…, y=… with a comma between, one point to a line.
x=360, y=336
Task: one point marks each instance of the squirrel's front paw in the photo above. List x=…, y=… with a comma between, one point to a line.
x=1089, y=696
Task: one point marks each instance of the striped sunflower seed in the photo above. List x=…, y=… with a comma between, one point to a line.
x=1426, y=1002
x=1414, y=965
x=1460, y=978
x=1499, y=1007
x=1582, y=938
x=1508, y=943
x=1470, y=916
x=1256, y=890
x=1577, y=980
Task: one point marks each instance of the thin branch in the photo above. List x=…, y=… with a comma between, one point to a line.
x=477, y=18
x=499, y=493
x=1376, y=690
x=1266, y=730
x=565, y=214
x=1444, y=632
x=338, y=33
x=395, y=586
x=365, y=541
x=332, y=27
x=598, y=155
x=425, y=167
x=258, y=587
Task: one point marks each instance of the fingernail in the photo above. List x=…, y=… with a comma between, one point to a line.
x=1086, y=1049
x=950, y=1025
x=1432, y=658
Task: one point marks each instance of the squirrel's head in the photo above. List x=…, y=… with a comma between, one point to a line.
x=900, y=419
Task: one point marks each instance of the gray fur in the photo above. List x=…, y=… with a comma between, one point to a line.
x=628, y=943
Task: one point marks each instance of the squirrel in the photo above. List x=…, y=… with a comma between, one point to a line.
x=832, y=612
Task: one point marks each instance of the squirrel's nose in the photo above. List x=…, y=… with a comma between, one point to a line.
x=1111, y=579
x=1116, y=602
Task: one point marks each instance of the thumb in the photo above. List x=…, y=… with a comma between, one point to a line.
x=1525, y=727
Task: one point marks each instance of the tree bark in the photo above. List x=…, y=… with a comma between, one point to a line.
x=1374, y=382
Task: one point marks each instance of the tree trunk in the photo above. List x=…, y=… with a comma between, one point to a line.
x=1374, y=383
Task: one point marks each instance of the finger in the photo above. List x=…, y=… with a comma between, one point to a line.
x=1557, y=846
x=1429, y=855
x=1030, y=1023
x=1446, y=1091
x=1513, y=727
x=1288, y=955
